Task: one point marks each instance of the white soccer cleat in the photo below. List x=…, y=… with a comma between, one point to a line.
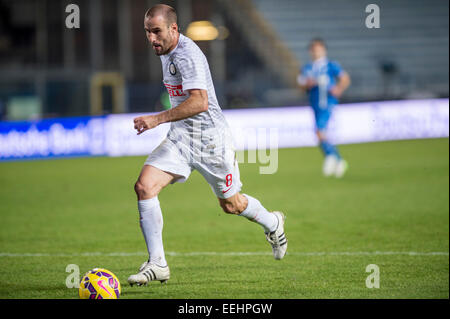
x=329, y=165
x=143, y=265
x=149, y=272
x=341, y=168
x=277, y=238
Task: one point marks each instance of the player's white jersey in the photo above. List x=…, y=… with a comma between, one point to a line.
x=202, y=142
x=185, y=68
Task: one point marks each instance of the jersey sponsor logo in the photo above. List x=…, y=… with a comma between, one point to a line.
x=174, y=90
x=172, y=68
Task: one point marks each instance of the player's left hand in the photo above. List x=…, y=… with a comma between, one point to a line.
x=144, y=123
x=336, y=91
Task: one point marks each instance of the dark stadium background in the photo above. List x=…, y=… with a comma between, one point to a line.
x=254, y=61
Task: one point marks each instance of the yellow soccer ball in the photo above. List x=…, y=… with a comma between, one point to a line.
x=99, y=283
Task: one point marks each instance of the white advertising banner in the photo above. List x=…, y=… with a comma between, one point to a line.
x=285, y=127
x=265, y=128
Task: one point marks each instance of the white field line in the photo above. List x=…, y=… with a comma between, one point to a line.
x=214, y=253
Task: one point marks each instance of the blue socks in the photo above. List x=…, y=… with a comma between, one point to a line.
x=329, y=149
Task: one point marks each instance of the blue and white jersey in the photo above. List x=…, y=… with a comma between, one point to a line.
x=325, y=73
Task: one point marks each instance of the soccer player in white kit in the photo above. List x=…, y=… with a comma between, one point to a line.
x=199, y=138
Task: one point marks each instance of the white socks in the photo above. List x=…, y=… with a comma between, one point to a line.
x=255, y=212
x=151, y=225
x=151, y=222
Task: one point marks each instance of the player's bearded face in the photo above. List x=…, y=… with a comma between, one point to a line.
x=161, y=36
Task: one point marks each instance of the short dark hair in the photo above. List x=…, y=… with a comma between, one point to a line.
x=164, y=10
x=317, y=40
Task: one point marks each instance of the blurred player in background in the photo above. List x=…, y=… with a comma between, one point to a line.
x=324, y=81
x=199, y=138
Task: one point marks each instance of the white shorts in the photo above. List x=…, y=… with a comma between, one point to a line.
x=220, y=169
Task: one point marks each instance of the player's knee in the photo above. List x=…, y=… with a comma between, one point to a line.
x=321, y=136
x=145, y=190
x=139, y=188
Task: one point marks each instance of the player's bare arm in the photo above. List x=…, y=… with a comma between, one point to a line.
x=195, y=104
x=342, y=84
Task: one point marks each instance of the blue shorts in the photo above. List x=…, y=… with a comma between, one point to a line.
x=322, y=117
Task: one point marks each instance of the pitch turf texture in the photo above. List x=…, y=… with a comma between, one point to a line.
x=391, y=209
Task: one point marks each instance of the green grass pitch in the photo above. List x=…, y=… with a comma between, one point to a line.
x=394, y=200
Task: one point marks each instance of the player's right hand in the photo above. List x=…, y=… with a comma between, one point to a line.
x=144, y=123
